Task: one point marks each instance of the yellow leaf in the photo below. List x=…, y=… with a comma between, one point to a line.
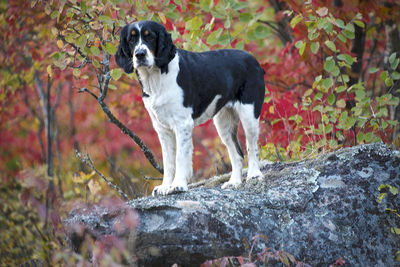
x=271, y=110
x=94, y=186
x=60, y=44
x=49, y=70
x=395, y=230
x=162, y=17
x=77, y=190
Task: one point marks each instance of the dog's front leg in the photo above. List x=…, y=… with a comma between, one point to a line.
x=184, y=151
x=168, y=149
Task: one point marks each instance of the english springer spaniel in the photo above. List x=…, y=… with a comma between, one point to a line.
x=182, y=89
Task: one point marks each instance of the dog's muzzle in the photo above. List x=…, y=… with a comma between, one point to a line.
x=140, y=56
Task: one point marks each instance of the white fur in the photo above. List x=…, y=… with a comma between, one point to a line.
x=208, y=113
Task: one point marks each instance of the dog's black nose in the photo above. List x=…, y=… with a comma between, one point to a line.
x=140, y=54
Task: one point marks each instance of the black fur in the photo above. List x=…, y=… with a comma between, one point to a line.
x=123, y=57
x=233, y=74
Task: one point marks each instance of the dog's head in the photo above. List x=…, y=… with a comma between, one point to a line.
x=144, y=44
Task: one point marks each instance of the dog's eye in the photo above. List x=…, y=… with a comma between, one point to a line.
x=133, y=36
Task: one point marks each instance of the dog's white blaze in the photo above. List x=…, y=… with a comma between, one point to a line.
x=209, y=112
x=149, y=56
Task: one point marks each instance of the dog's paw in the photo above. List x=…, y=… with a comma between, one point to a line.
x=254, y=175
x=231, y=185
x=160, y=190
x=176, y=189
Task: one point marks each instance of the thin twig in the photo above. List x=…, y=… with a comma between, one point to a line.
x=152, y=178
x=87, y=160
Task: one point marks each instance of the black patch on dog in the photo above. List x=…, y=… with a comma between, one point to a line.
x=233, y=74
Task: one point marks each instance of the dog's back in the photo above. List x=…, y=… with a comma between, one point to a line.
x=232, y=74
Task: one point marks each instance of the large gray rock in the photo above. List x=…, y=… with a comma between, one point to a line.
x=318, y=210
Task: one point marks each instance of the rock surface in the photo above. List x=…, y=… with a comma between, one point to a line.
x=318, y=210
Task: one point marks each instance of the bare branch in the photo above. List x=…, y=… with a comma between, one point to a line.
x=88, y=162
x=152, y=178
x=147, y=152
x=85, y=90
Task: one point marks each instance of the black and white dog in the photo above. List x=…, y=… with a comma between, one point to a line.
x=182, y=89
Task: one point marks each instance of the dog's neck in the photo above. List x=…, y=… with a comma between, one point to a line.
x=154, y=82
x=149, y=79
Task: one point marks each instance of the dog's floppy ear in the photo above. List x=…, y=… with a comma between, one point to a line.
x=123, y=57
x=165, y=50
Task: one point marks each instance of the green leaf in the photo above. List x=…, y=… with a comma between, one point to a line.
x=327, y=83
x=261, y=32
x=314, y=47
x=384, y=75
x=388, y=82
x=194, y=24
x=296, y=20
x=83, y=6
x=392, y=58
x=95, y=50
x=245, y=17
x=347, y=58
x=54, y=14
x=373, y=70
x=302, y=48
x=350, y=27
x=318, y=96
x=360, y=137
x=331, y=99
x=330, y=45
x=335, y=72
x=340, y=23
x=212, y=39
x=313, y=35
x=341, y=103
x=110, y=48
x=348, y=34
x=95, y=63
x=298, y=44
x=308, y=92
x=340, y=89
x=395, y=75
x=112, y=86
x=395, y=64
x=82, y=41
x=116, y=74
x=359, y=23
x=329, y=64
x=342, y=38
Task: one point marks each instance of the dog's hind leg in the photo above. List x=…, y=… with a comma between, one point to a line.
x=226, y=121
x=251, y=129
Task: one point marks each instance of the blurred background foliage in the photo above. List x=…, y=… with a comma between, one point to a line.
x=332, y=80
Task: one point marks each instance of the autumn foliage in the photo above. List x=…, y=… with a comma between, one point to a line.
x=332, y=79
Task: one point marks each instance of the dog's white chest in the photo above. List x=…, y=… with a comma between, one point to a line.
x=165, y=97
